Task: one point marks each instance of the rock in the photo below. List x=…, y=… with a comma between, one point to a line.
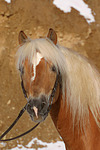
x=9, y=101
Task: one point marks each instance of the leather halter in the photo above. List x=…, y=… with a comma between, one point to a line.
x=58, y=80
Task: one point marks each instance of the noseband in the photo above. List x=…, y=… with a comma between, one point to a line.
x=58, y=81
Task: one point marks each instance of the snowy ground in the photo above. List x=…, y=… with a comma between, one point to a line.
x=8, y=1
x=79, y=5
x=59, y=145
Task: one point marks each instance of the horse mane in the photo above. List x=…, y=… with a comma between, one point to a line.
x=80, y=79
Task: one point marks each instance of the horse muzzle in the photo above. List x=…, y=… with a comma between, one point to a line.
x=38, y=108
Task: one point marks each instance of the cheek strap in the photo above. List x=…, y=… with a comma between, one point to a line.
x=24, y=91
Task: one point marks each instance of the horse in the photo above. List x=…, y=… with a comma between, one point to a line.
x=56, y=76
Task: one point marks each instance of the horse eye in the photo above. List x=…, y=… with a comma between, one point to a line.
x=53, y=68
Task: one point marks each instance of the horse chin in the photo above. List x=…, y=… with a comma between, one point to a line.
x=39, y=118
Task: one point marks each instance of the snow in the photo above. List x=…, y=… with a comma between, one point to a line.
x=79, y=5
x=8, y=1
x=59, y=145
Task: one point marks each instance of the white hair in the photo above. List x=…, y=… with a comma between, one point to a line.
x=80, y=79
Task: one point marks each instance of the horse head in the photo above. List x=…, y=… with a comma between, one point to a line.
x=40, y=79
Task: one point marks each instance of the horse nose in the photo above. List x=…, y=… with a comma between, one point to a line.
x=37, y=106
x=39, y=103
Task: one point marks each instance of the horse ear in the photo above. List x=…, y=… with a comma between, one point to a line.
x=22, y=37
x=52, y=36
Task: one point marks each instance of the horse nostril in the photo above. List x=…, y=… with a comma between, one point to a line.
x=43, y=105
x=29, y=109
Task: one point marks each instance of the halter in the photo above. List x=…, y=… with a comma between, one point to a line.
x=58, y=80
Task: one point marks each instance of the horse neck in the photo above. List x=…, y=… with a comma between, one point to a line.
x=74, y=138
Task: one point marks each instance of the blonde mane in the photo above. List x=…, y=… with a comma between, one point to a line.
x=80, y=79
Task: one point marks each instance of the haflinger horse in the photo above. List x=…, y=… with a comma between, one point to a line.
x=56, y=76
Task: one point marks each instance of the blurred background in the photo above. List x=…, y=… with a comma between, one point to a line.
x=77, y=24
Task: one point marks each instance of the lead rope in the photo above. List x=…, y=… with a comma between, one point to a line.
x=20, y=134
x=15, y=121
x=20, y=114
